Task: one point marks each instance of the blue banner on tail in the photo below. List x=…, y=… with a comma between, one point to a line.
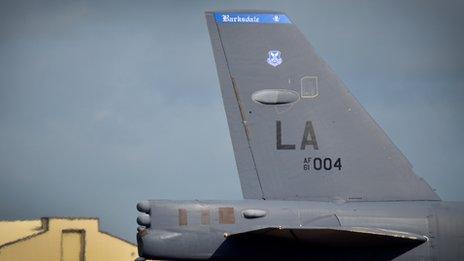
x=252, y=18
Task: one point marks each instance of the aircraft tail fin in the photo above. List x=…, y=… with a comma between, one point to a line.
x=297, y=132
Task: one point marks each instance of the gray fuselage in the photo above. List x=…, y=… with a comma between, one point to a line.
x=200, y=229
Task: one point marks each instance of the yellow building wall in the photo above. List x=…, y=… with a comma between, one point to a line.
x=13, y=230
x=47, y=243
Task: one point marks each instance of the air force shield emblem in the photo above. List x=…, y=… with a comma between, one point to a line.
x=274, y=58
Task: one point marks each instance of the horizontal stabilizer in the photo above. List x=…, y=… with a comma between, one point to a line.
x=339, y=237
x=322, y=243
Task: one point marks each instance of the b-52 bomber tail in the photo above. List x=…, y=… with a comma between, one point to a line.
x=297, y=132
x=321, y=180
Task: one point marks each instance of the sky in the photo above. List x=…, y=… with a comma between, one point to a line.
x=107, y=103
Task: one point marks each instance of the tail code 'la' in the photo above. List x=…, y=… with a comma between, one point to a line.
x=297, y=132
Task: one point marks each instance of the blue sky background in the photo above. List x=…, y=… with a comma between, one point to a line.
x=103, y=104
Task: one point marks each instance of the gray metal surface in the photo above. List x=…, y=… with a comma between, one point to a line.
x=372, y=168
x=249, y=178
x=301, y=229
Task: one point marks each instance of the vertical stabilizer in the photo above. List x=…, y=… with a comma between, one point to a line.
x=297, y=132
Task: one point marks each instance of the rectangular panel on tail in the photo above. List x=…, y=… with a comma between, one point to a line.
x=297, y=132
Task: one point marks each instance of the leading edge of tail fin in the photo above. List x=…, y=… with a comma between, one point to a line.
x=297, y=132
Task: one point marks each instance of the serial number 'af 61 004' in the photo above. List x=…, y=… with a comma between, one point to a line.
x=319, y=163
